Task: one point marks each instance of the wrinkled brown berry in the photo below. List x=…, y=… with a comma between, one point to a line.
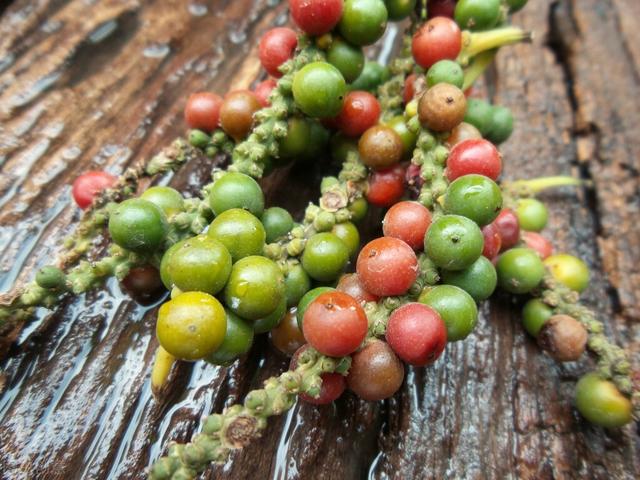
x=563, y=337
x=442, y=107
x=376, y=372
x=464, y=131
x=380, y=147
x=236, y=113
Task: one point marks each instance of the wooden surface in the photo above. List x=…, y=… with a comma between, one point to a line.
x=102, y=85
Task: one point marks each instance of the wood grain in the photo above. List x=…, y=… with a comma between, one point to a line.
x=102, y=85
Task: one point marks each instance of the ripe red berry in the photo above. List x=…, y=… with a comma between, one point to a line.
x=508, y=227
x=409, y=90
x=417, y=334
x=477, y=156
x=386, y=187
x=334, y=324
x=441, y=8
x=360, y=111
x=263, y=90
x=333, y=384
x=408, y=221
x=203, y=111
x=350, y=284
x=387, y=266
x=438, y=39
x=276, y=47
x=316, y=17
x=87, y=186
x=492, y=241
x=537, y=242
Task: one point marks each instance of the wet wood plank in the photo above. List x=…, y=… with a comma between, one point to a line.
x=102, y=85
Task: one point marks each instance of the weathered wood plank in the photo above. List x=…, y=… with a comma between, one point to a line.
x=103, y=86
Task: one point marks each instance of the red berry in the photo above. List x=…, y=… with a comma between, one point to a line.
x=87, y=186
x=537, y=242
x=203, y=111
x=508, y=227
x=316, y=17
x=441, y=8
x=438, y=39
x=492, y=241
x=386, y=187
x=263, y=90
x=387, y=266
x=417, y=334
x=351, y=285
x=360, y=111
x=477, y=156
x=334, y=324
x=333, y=384
x=276, y=47
x=408, y=221
x=409, y=90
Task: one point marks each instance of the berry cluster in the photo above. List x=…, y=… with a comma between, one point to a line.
x=409, y=139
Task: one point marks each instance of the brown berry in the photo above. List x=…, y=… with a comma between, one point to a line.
x=143, y=284
x=563, y=337
x=464, y=131
x=380, y=147
x=287, y=336
x=236, y=113
x=376, y=372
x=442, y=107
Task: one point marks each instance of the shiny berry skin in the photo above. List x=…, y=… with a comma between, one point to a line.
x=441, y=8
x=380, y=147
x=350, y=284
x=464, y=131
x=376, y=372
x=360, y=111
x=138, y=225
x=334, y=324
x=239, y=231
x=199, y=264
x=287, y=336
x=438, y=39
x=478, y=114
x=373, y=74
x=191, y=326
x=319, y=89
x=276, y=47
x=520, y=270
x=363, y=21
x=348, y=233
x=409, y=90
x=445, y=71
x=474, y=196
x=442, y=107
x=236, y=190
x=474, y=156
x=386, y=187
x=277, y=222
x=238, y=340
x=492, y=241
x=167, y=198
x=143, y=283
x=538, y=243
x=453, y=242
x=347, y=58
x=456, y=307
x=316, y=17
x=568, y=270
x=417, y=334
x=263, y=90
x=297, y=140
x=408, y=221
x=88, y=185
x=325, y=257
x=500, y=125
x=333, y=384
x=599, y=401
x=387, y=266
x=532, y=214
x=269, y=322
x=408, y=138
x=203, y=111
x=296, y=282
x=236, y=113
x=399, y=9
x=508, y=227
x=534, y=315
x=307, y=299
x=477, y=14
x=479, y=280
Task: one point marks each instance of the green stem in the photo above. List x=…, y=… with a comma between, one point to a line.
x=537, y=185
x=474, y=43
